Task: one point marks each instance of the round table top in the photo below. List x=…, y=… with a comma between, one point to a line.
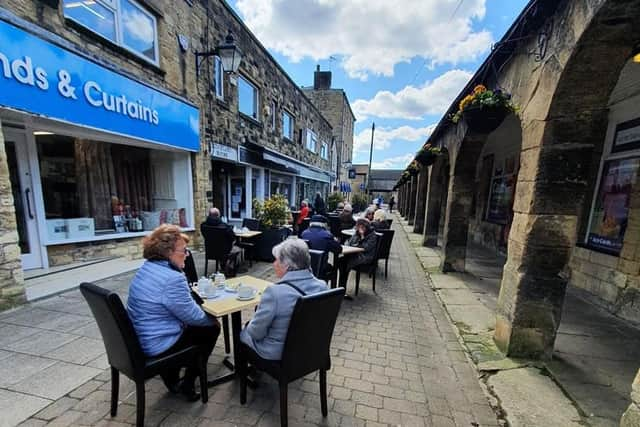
x=349, y=232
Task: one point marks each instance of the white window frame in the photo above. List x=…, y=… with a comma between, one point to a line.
x=218, y=77
x=311, y=141
x=273, y=115
x=116, y=8
x=286, y=114
x=324, y=150
x=256, y=98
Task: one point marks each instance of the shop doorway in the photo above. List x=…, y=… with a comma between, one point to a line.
x=21, y=179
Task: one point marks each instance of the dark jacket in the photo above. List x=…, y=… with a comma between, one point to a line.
x=346, y=220
x=218, y=223
x=379, y=225
x=319, y=206
x=321, y=239
x=368, y=242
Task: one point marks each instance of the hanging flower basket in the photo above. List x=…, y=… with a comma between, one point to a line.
x=428, y=155
x=484, y=119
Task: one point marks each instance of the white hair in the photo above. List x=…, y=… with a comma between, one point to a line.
x=293, y=254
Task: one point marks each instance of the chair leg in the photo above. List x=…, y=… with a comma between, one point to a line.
x=115, y=387
x=216, y=267
x=204, y=388
x=284, y=418
x=323, y=392
x=225, y=332
x=206, y=265
x=386, y=265
x=140, y=403
x=242, y=370
x=375, y=273
x=357, y=281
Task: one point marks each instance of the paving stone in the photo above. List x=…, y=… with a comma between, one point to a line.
x=17, y=407
x=12, y=333
x=41, y=343
x=20, y=366
x=57, y=408
x=56, y=380
x=366, y=412
x=79, y=351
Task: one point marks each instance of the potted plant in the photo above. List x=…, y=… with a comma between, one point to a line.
x=484, y=110
x=428, y=154
x=332, y=201
x=359, y=202
x=413, y=168
x=273, y=214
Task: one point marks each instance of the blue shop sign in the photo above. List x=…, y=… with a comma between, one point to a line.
x=41, y=78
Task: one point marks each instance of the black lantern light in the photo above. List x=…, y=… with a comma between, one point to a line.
x=230, y=55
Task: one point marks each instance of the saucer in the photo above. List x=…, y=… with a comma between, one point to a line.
x=253, y=295
x=231, y=289
x=211, y=296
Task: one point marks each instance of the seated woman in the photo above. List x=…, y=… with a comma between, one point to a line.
x=366, y=238
x=266, y=332
x=164, y=315
x=379, y=220
x=346, y=217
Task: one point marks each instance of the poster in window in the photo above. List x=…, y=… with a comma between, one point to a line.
x=500, y=199
x=611, y=210
x=627, y=136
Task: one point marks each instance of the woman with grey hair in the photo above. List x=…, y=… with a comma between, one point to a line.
x=266, y=332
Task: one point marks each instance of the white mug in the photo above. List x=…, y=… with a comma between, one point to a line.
x=245, y=291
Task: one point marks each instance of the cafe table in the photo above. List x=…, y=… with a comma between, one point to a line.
x=350, y=250
x=247, y=234
x=226, y=303
x=349, y=232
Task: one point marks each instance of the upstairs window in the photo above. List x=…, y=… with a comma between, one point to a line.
x=123, y=22
x=218, y=77
x=324, y=150
x=312, y=141
x=247, y=98
x=287, y=126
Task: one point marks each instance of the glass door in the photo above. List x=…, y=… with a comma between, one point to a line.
x=22, y=189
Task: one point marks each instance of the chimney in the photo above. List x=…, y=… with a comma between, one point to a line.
x=321, y=79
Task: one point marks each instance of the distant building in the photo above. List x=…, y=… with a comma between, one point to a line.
x=381, y=182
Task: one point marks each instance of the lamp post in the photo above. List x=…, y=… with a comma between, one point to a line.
x=373, y=130
x=230, y=55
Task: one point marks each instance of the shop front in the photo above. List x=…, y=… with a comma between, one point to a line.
x=95, y=157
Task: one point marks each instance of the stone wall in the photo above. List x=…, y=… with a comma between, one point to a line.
x=11, y=276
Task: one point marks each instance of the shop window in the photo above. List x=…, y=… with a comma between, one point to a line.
x=502, y=189
x=282, y=184
x=610, y=212
x=218, y=77
x=93, y=188
x=324, y=150
x=247, y=98
x=123, y=22
x=287, y=126
x=312, y=141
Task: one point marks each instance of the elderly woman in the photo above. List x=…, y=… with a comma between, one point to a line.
x=369, y=212
x=346, y=217
x=379, y=220
x=266, y=332
x=164, y=315
x=366, y=238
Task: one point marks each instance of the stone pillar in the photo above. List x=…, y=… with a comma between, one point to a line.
x=631, y=417
x=405, y=199
x=433, y=205
x=400, y=204
x=11, y=274
x=459, y=199
x=412, y=200
x=421, y=200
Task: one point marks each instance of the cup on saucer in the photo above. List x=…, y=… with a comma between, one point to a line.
x=246, y=292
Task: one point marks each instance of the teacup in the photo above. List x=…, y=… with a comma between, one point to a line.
x=246, y=291
x=205, y=286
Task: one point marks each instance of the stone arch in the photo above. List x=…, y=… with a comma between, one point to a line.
x=435, y=203
x=564, y=125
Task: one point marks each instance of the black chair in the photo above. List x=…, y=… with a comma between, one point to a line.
x=371, y=268
x=385, y=247
x=389, y=222
x=247, y=247
x=124, y=352
x=218, y=244
x=321, y=267
x=306, y=348
x=335, y=225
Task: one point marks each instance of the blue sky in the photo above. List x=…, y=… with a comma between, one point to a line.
x=400, y=63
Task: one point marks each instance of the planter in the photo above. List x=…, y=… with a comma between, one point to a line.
x=484, y=120
x=426, y=158
x=267, y=240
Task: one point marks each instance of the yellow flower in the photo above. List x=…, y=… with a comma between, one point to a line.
x=479, y=89
x=466, y=101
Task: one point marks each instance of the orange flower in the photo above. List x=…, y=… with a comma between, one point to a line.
x=479, y=89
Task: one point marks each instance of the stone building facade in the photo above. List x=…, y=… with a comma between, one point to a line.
x=335, y=106
x=553, y=187
x=205, y=118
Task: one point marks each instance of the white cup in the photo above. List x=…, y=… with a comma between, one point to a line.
x=206, y=287
x=245, y=291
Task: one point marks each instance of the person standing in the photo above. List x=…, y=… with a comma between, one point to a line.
x=392, y=201
x=318, y=205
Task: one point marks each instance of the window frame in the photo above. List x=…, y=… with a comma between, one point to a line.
x=291, y=125
x=311, y=136
x=324, y=150
x=217, y=69
x=256, y=98
x=115, y=6
x=273, y=115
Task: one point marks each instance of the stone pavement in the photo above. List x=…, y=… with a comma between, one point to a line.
x=396, y=361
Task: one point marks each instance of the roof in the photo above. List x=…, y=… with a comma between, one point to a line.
x=385, y=174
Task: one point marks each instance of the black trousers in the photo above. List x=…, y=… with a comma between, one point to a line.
x=203, y=336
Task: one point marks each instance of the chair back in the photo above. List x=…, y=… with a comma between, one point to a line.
x=306, y=348
x=190, y=268
x=218, y=242
x=385, y=243
x=319, y=262
x=251, y=223
x=120, y=339
x=334, y=225
x=389, y=222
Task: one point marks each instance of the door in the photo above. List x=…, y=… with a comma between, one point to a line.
x=22, y=189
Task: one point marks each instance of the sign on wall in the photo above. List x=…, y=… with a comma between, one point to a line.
x=627, y=136
x=39, y=77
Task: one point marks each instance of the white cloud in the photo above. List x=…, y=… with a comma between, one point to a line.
x=370, y=36
x=413, y=103
x=398, y=162
x=383, y=137
x=138, y=25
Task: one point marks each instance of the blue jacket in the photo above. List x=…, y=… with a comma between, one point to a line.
x=321, y=239
x=267, y=330
x=160, y=306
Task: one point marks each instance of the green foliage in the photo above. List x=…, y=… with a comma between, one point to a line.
x=359, y=202
x=482, y=98
x=273, y=212
x=332, y=201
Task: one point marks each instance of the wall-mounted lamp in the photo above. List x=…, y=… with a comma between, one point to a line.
x=230, y=55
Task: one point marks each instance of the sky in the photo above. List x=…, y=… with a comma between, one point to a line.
x=401, y=63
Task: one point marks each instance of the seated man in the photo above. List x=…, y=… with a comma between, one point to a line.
x=214, y=220
x=267, y=331
x=321, y=239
